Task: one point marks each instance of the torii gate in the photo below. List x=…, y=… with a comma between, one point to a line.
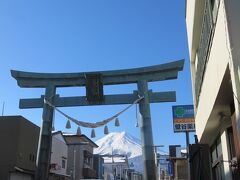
x=94, y=82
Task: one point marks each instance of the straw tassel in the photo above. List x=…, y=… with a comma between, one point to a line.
x=140, y=119
x=79, y=131
x=68, y=125
x=117, y=123
x=137, y=125
x=106, y=130
x=93, y=135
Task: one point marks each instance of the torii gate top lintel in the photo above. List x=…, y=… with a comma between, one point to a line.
x=151, y=73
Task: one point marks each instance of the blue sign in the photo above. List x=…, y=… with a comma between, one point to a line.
x=170, y=168
x=184, y=111
x=183, y=118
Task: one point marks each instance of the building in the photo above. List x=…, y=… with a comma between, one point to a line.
x=59, y=157
x=80, y=156
x=200, y=165
x=116, y=167
x=18, y=152
x=178, y=163
x=162, y=161
x=213, y=28
x=162, y=166
x=98, y=162
x=131, y=174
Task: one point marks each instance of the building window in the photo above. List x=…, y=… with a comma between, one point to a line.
x=203, y=48
x=87, y=158
x=63, y=163
x=217, y=159
x=218, y=172
x=231, y=143
x=32, y=157
x=214, y=8
x=209, y=19
x=216, y=150
x=214, y=155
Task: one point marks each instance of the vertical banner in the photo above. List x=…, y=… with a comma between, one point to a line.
x=170, y=168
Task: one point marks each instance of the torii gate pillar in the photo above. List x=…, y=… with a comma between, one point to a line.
x=146, y=132
x=45, y=138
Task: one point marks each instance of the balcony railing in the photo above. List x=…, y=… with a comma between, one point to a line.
x=203, y=48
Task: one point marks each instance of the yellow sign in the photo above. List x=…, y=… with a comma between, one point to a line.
x=184, y=120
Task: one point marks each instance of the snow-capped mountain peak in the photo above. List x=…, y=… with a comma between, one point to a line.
x=119, y=143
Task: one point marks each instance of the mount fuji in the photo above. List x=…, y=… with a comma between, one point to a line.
x=122, y=143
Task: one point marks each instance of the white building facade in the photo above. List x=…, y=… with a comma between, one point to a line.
x=214, y=46
x=59, y=155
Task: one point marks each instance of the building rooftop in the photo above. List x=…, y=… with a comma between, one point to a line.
x=82, y=136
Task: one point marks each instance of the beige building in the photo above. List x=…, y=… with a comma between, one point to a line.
x=80, y=156
x=213, y=28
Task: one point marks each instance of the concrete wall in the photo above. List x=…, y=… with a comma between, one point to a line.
x=225, y=153
x=27, y=145
x=221, y=82
x=194, y=15
x=8, y=139
x=215, y=69
x=181, y=167
x=19, y=140
x=233, y=26
x=20, y=176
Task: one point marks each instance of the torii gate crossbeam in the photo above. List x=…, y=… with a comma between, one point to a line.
x=141, y=76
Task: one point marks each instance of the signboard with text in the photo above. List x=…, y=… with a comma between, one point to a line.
x=183, y=118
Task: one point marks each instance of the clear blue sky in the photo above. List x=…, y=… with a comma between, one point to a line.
x=88, y=35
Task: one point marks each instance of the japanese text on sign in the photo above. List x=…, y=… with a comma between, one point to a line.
x=183, y=118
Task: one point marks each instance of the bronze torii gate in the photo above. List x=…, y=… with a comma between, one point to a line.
x=94, y=82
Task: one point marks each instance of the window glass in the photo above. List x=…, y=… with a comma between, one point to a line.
x=219, y=149
x=231, y=143
x=63, y=163
x=212, y=3
x=214, y=155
